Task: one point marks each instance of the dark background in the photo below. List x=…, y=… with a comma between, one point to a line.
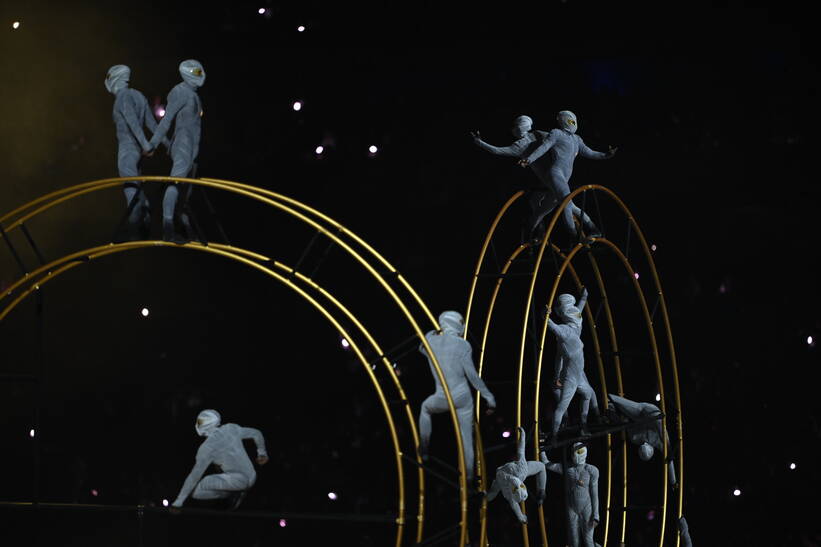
x=714, y=111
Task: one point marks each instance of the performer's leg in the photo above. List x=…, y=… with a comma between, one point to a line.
x=435, y=404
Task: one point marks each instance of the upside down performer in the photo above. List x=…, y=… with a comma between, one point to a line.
x=510, y=479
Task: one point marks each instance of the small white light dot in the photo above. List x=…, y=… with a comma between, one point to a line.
x=653, y=247
x=261, y=11
x=373, y=149
x=345, y=344
x=283, y=523
x=31, y=433
x=792, y=466
x=15, y=25
x=300, y=28
x=332, y=496
x=736, y=492
x=506, y=434
x=165, y=503
x=658, y=396
x=636, y=275
x=297, y=106
x=160, y=112
x=809, y=340
x=94, y=493
x=144, y=312
x=319, y=150
x=394, y=365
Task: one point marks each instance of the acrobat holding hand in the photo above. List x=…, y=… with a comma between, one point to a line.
x=583, y=495
x=562, y=145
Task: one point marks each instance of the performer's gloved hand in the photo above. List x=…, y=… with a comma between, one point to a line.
x=148, y=153
x=476, y=136
x=611, y=151
x=262, y=459
x=584, y=292
x=523, y=162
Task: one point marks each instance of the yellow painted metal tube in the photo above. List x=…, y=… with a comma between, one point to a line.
x=602, y=378
x=483, y=252
x=344, y=231
x=99, y=252
x=497, y=287
x=614, y=344
x=391, y=372
x=244, y=190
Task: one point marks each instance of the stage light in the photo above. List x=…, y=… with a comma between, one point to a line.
x=165, y=503
x=297, y=106
x=283, y=523
x=792, y=466
x=160, y=111
x=144, y=312
x=300, y=28
x=505, y=434
x=651, y=514
x=636, y=275
x=332, y=496
x=261, y=11
x=736, y=492
x=345, y=343
x=653, y=247
x=319, y=150
x=31, y=433
x=810, y=341
x=658, y=396
x=722, y=288
x=94, y=493
x=373, y=149
x=15, y=25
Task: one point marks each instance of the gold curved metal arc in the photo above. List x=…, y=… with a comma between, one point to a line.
x=95, y=253
x=614, y=344
x=391, y=372
x=674, y=363
x=284, y=208
x=348, y=233
x=648, y=255
x=54, y=194
x=57, y=201
x=482, y=253
x=646, y=313
x=565, y=265
x=491, y=305
x=603, y=382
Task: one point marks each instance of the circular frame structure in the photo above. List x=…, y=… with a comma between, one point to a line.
x=538, y=279
x=387, y=278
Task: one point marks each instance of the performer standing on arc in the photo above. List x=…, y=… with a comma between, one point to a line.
x=567, y=310
x=569, y=377
x=542, y=199
x=131, y=114
x=184, y=110
x=456, y=361
x=583, y=495
x=563, y=145
x=222, y=447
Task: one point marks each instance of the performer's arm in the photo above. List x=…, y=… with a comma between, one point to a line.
x=201, y=463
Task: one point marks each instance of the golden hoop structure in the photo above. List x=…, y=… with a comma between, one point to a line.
x=567, y=266
x=335, y=232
